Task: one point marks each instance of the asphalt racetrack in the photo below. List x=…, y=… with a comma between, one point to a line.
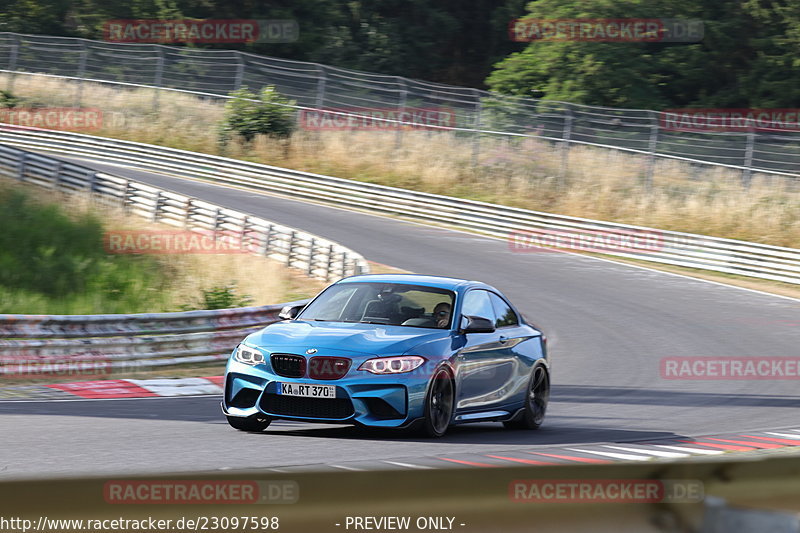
x=609, y=326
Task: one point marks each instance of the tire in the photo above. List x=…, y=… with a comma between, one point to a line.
x=536, y=399
x=439, y=404
x=253, y=424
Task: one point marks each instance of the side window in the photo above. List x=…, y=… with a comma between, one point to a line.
x=477, y=303
x=505, y=315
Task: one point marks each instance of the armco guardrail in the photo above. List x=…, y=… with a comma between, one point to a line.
x=673, y=248
x=215, y=73
x=315, y=256
x=53, y=346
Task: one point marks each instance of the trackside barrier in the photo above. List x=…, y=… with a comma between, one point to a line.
x=40, y=345
x=323, y=501
x=672, y=248
x=315, y=256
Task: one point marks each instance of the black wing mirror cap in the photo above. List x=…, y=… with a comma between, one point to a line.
x=290, y=312
x=478, y=324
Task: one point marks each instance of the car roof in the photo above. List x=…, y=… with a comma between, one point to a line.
x=415, y=279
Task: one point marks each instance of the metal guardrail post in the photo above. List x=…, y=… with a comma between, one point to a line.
x=157, y=206
x=344, y=263
x=290, y=251
x=311, y=249
x=268, y=239
x=329, y=265
x=21, y=170
x=91, y=179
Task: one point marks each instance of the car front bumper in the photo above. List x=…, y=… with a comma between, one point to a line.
x=365, y=399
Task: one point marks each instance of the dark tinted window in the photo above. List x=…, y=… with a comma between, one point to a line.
x=505, y=315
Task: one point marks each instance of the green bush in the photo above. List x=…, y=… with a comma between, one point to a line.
x=223, y=297
x=8, y=100
x=248, y=114
x=51, y=263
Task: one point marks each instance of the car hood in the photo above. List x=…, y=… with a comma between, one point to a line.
x=366, y=339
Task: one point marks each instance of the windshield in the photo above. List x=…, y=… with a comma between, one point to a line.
x=393, y=304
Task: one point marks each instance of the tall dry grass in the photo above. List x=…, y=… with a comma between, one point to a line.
x=599, y=183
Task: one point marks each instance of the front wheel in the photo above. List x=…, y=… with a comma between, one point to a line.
x=439, y=404
x=253, y=424
x=536, y=399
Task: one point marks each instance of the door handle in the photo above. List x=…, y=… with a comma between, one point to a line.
x=503, y=339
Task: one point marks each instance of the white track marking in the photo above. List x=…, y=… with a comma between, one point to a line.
x=690, y=450
x=784, y=435
x=347, y=468
x=624, y=456
x=397, y=463
x=656, y=453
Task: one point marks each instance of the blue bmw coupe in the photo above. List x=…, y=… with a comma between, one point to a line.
x=393, y=351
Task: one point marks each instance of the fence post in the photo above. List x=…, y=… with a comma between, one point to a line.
x=12, y=63
x=237, y=82
x=319, y=103
x=81, y=73
x=476, y=139
x=651, y=148
x=566, y=135
x=159, y=76
x=401, y=109
x=747, y=173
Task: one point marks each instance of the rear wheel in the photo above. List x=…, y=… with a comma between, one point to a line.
x=536, y=400
x=439, y=404
x=252, y=424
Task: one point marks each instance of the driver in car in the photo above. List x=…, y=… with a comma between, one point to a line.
x=441, y=314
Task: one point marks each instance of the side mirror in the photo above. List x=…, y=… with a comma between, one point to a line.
x=289, y=312
x=477, y=324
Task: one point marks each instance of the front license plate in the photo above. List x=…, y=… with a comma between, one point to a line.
x=307, y=391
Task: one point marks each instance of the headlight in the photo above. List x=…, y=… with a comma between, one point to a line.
x=392, y=365
x=248, y=356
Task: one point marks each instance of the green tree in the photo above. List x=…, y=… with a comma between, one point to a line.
x=747, y=58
